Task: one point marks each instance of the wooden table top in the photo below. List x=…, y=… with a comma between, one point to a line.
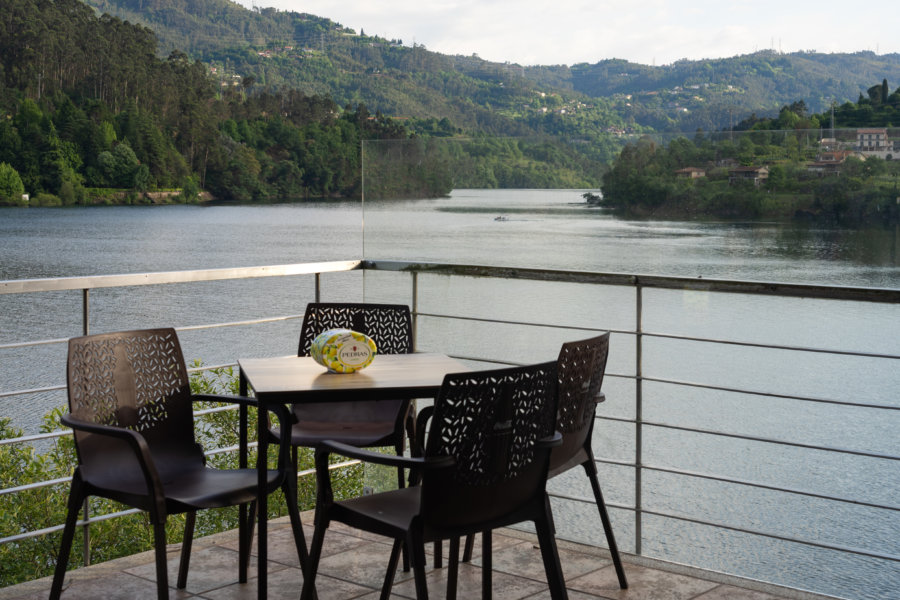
x=301, y=379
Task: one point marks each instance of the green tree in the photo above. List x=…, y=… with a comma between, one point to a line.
x=11, y=187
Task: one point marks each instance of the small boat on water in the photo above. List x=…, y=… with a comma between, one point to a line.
x=501, y=218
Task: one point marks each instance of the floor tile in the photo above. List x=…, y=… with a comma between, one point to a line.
x=643, y=584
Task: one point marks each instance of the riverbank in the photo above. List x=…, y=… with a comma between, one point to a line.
x=111, y=197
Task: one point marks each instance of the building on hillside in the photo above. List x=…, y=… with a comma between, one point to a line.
x=837, y=155
x=872, y=140
x=875, y=142
x=755, y=175
x=831, y=162
x=691, y=173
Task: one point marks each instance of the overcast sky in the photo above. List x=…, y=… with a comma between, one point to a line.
x=546, y=32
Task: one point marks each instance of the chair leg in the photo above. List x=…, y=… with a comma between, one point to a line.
x=453, y=569
x=312, y=562
x=487, y=564
x=550, y=553
x=245, y=542
x=399, y=448
x=159, y=544
x=65, y=546
x=591, y=469
x=290, y=494
x=189, y=520
x=469, y=548
x=391, y=570
x=416, y=546
x=438, y=554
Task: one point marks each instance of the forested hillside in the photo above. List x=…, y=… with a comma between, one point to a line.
x=412, y=82
x=769, y=167
x=90, y=113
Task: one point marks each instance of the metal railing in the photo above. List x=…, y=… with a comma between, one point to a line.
x=639, y=465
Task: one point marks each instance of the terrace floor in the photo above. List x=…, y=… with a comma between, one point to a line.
x=353, y=565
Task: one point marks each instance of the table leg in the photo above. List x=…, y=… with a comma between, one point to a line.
x=243, y=518
x=262, y=497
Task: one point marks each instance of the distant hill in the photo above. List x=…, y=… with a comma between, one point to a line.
x=316, y=55
x=729, y=88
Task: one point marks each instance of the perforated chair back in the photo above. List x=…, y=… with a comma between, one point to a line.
x=389, y=325
x=582, y=365
x=134, y=380
x=490, y=423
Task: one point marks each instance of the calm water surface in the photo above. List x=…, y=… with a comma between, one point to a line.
x=551, y=229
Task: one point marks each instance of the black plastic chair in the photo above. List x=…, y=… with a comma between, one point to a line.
x=582, y=365
x=131, y=410
x=364, y=424
x=485, y=466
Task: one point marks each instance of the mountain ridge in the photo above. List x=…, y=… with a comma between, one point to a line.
x=329, y=58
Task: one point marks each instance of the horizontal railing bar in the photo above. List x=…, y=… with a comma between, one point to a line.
x=53, y=388
x=586, y=500
x=795, y=491
x=79, y=523
x=770, y=394
x=239, y=323
x=783, y=538
x=752, y=438
x=105, y=517
x=34, y=485
x=839, y=548
x=54, y=284
x=33, y=343
x=184, y=328
x=66, y=432
x=36, y=437
x=668, y=336
x=769, y=487
x=769, y=346
x=491, y=361
x=505, y=322
x=791, y=290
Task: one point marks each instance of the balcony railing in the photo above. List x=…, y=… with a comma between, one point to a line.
x=697, y=466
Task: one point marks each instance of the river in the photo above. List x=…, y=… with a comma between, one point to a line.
x=549, y=229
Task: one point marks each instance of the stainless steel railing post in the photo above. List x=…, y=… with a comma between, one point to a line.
x=86, y=528
x=415, y=308
x=638, y=416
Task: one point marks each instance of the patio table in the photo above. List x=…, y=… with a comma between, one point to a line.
x=295, y=379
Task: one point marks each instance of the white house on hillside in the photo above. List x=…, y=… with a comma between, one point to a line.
x=875, y=142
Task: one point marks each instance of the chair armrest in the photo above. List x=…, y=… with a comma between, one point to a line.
x=136, y=442
x=390, y=460
x=284, y=415
x=285, y=420
x=417, y=446
x=328, y=447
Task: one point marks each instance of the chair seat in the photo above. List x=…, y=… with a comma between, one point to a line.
x=189, y=489
x=217, y=488
x=393, y=510
x=560, y=463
